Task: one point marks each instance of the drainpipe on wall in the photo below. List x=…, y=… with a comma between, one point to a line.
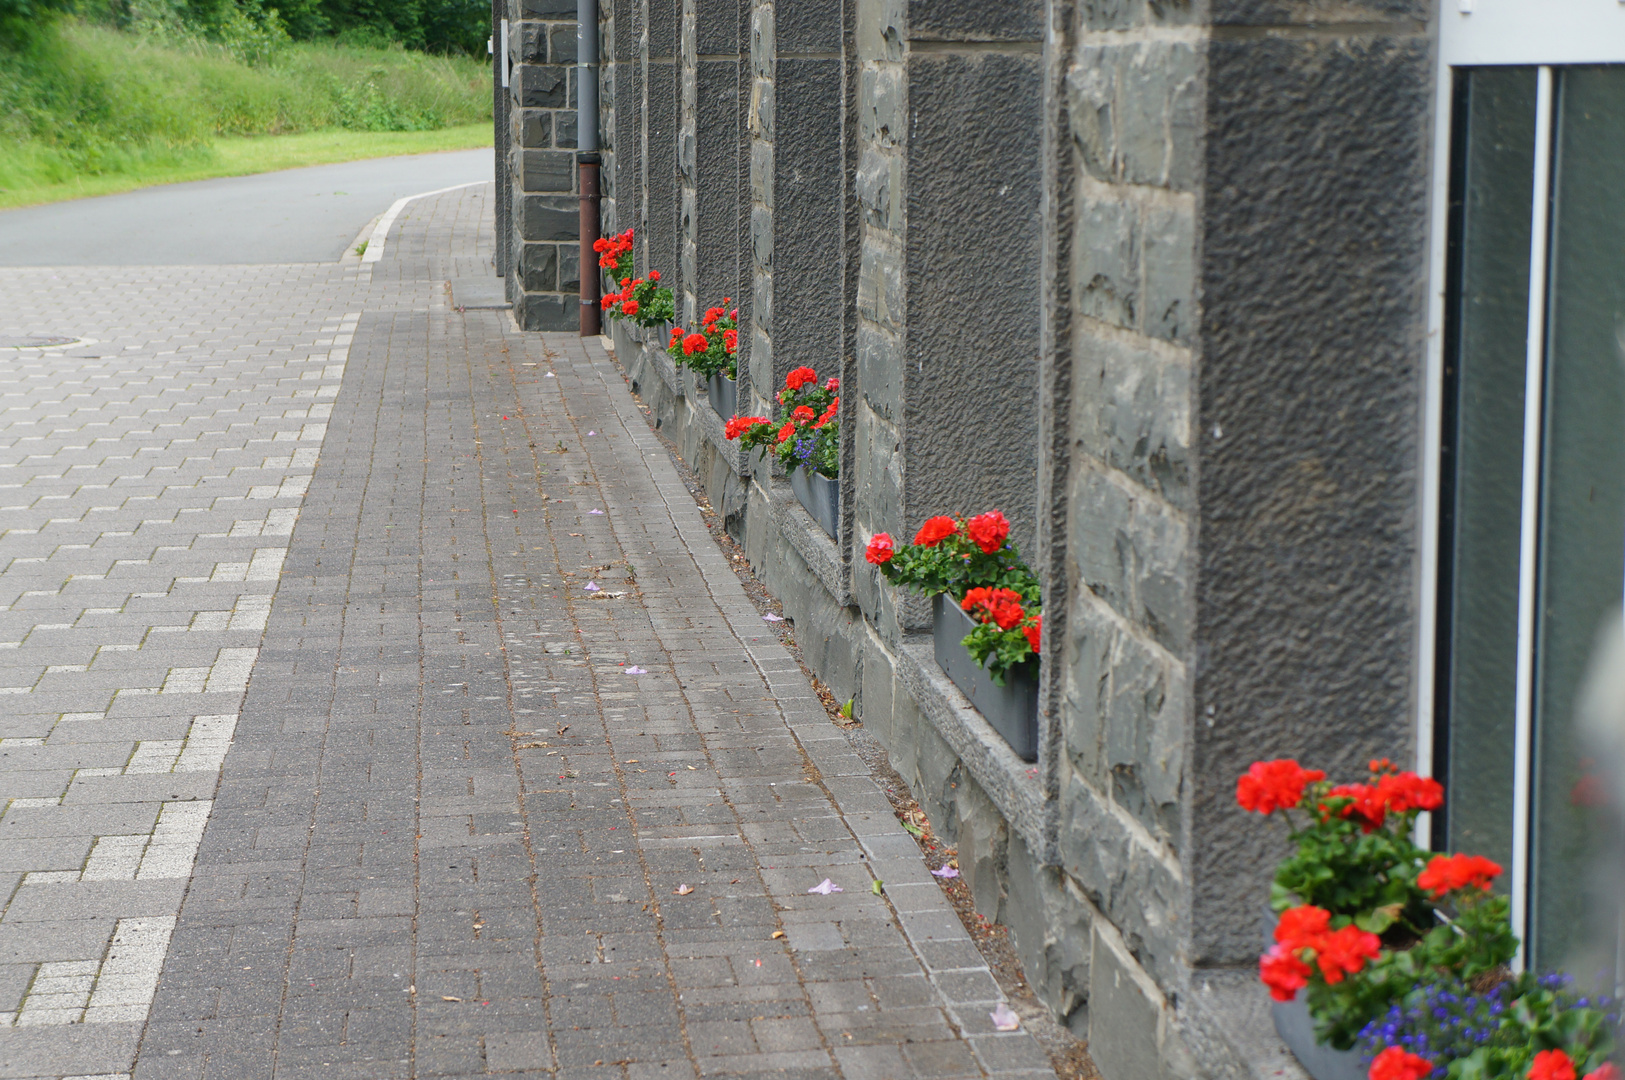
x=587, y=158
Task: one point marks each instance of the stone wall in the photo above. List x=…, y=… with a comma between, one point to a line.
x=544, y=226
x=1147, y=276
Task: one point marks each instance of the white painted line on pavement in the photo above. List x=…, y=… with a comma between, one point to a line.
x=375, y=244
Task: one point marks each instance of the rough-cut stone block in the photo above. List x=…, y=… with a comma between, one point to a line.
x=548, y=9
x=881, y=99
x=541, y=86
x=549, y=217
x=535, y=128
x=880, y=29
x=1131, y=551
x=1049, y=920
x=1131, y=408
x=539, y=267
x=547, y=170
x=880, y=370
x=561, y=47
x=1108, y=261
x=1168, y=239
x=548, y=311
x=1125, y=1013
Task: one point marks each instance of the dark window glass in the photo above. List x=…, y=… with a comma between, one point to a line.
x=1582, y=538
x=1493, y=187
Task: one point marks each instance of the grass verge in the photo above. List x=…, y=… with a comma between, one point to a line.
x=242, y=156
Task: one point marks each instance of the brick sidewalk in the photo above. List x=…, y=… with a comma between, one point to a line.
x=454, y=836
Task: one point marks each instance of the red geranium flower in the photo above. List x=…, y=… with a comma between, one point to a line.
x=609, y=300
x=787, y=430
x=600, y=244
x=1271, y=784
x=629, y=307
x=676, y=336
x=1344, y=952
x=1300, y=927
x=1447, y=873
x=1283, y=972
x=695, y=343
x=880, y=549
x=833, y=385
x=741, y=424
x=800, y=377
x=730, y=340
x=803, y=412
x=935, y=530
x=1609, y=1071
x=1551, y=1065
x=1034, y=631
x=654, y=275
x=999, y=606
x=712, y=315
x=988, y=530
x=1397, y=1063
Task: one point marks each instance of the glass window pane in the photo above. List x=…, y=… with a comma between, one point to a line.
x=1583, y=490
x=1485, y=368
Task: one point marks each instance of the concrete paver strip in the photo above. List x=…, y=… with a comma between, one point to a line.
x=453, y=835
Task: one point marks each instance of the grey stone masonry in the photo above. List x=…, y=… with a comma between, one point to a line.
x=1147, y=276
x=544, y=277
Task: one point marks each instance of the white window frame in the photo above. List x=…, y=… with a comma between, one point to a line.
x=1483, y=33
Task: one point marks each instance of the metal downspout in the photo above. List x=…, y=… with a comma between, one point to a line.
x=587, y=159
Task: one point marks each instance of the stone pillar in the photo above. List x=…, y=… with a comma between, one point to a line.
x=799, y=190
x=661, y=97
x=718, y=174
x=544, y=278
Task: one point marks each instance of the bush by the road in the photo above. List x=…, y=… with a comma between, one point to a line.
x=86, y=100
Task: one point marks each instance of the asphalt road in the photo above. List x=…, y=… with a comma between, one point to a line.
x=294, y=216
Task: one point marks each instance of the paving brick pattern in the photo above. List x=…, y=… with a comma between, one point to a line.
x=454, y=835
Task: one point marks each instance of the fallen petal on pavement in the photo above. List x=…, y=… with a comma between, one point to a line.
x=635, y=670
x=945, y=872
x=772, y=618
x=825, y=887
x=591, y=586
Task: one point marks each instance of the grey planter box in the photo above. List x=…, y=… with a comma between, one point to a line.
x=1012, y=709
x=1297, y=1030
x=724, y=394
x=820, y=496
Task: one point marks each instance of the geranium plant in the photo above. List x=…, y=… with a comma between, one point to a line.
x=643, y=300
x=975, y=564
x=712, y=349
x=1407, y=951
x=807, y=433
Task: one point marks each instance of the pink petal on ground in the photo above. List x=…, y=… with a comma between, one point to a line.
x=1005, y=1018
x=772, y=618
x=945, y=872
x=825, y=887
x=635, y=670
x=592, y=433
x=600, y=512
x=591, y=586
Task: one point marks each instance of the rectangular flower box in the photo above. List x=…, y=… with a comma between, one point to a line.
x=1012, y=709
x=724, y=394
x=820, y=496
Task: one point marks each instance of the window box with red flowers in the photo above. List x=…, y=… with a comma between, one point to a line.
x=1392, y=962
x=806, y=441
x=710, y=352
x=642, y=300
x=987, y=620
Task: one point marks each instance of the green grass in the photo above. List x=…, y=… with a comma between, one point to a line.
x=236, y=156
x=88, y=110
